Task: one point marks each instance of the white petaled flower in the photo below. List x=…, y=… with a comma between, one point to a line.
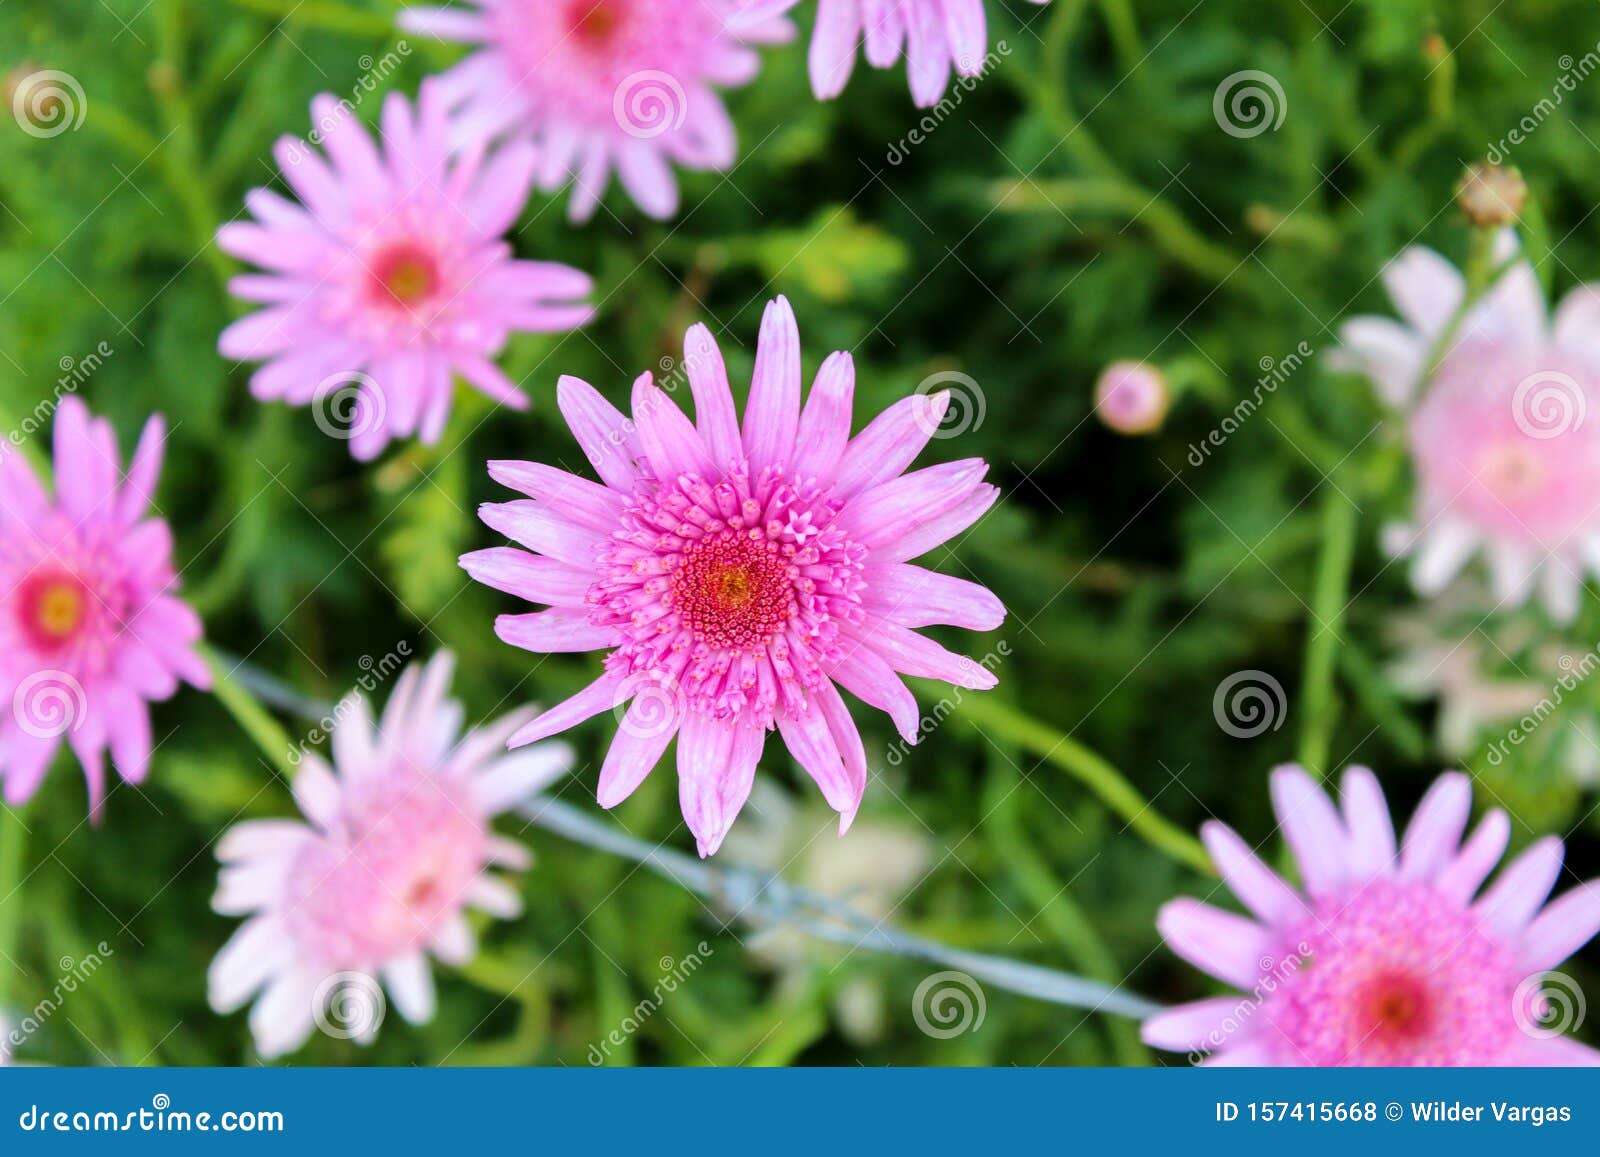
x=397, y=847
x=1505, y=439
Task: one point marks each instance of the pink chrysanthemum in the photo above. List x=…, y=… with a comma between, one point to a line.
x=392, y=276
x=1505, y=441
x=934, y=36
x=603, y=85
x=397, y=849
x=736, y=575
x=1386, y=957
x=90, y=628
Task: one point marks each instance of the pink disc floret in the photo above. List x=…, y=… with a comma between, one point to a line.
x=738, y=575
x=1393, y=953
x=91, y=628
x=392, y=275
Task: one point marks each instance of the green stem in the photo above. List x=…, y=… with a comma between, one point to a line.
x=253, y=718
x=1481, y=274
x=13, y=861
x=1124, y=30
x=187, y=171
x=1118, y=195
x=1058, y=910
x=1104, y=780
x=1168, y=228
x=1339, y=519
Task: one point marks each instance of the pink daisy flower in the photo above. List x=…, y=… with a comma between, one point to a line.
x=90, y=629
x=934, y=36
x=1390, y=955
x=605, y=85
x=396, y=850
x=739, y=576
x=1505, y=441
x=391, y=276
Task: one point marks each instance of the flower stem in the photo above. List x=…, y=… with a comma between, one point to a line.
x=1168, y=228
x=1481, y=275
x=1339, y=517
x=13, y=860
x=1112, y=788
x=250, y=715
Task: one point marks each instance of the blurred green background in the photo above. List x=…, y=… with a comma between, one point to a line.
x=1080, y=205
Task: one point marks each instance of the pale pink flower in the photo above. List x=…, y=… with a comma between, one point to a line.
x=628, y=86
x=1390, y=955
x=91, y=630
x=397, y=848
x=737, y=577
x=392, y=275
x=1132, y=397
x=1505, y=441
x=934, y=36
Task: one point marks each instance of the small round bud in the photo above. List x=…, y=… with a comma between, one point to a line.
x=1132, y=397
x=1492, y=195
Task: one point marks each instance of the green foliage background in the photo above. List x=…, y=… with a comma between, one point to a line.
x=1080, y=204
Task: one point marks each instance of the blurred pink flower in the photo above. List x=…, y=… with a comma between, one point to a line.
x=391, y=276
x=603, y=85
x=933, y=36
x=90, y=629
x=1390, y=955
x=1504, y=444
x=1132, y=397
x=736, y=575
x=397, y=849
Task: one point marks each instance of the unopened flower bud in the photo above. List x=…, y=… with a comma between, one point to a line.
x=1492, y=195
x=1132, y=397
